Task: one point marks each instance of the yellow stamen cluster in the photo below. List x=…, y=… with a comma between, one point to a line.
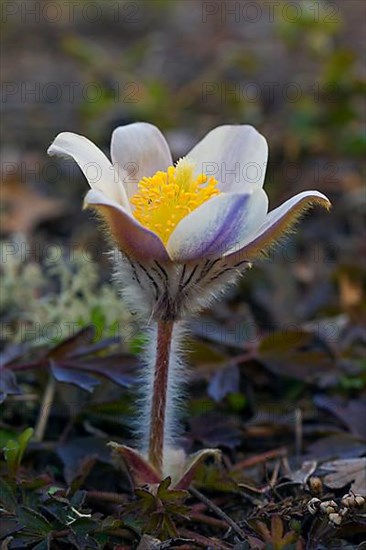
x=167, y=197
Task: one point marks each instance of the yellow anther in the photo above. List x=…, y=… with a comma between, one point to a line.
x=164, y=199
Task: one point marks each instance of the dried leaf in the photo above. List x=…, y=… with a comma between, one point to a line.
x=215, y=430
x=302, y=475
x=341, y=445
x=212, y=331
x=352, y=470
x=18, y=216
x=352, y=413
x=291, y=354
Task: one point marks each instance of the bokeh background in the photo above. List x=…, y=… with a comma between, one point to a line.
x=294, y=328
x=278, y=372
x=295, y=70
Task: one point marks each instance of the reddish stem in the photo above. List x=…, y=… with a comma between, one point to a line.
x=159, y=398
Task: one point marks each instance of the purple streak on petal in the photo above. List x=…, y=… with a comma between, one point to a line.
x=221, y=235
x=211, y=229
x=277, y=223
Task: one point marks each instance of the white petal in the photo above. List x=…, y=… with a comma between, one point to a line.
x=139, y=150
x=277, y=223
x=96, y=167
x=131, y=237
x=235, y=155
x=217, y=225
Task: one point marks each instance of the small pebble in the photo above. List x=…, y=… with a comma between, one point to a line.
x=335, y=518
x=351, y=500
x=329, y=506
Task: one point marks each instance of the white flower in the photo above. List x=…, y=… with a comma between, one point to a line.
x=183, y=231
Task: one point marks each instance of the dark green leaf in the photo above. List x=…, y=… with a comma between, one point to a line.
x=43, y=545
x=7, y=496
x=33, y=522
x=14, y=450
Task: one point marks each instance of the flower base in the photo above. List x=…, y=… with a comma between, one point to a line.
x=181, y=468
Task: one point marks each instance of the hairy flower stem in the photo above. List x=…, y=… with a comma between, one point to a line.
x=159, y=397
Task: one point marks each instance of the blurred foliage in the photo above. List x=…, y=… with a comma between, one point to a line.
x=14, y=451
x=278, y=370
x=330, y=101
x=46, y=303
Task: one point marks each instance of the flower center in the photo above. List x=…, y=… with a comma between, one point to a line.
x=167, y=197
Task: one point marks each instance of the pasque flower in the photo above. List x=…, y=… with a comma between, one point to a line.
x=183, y=233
